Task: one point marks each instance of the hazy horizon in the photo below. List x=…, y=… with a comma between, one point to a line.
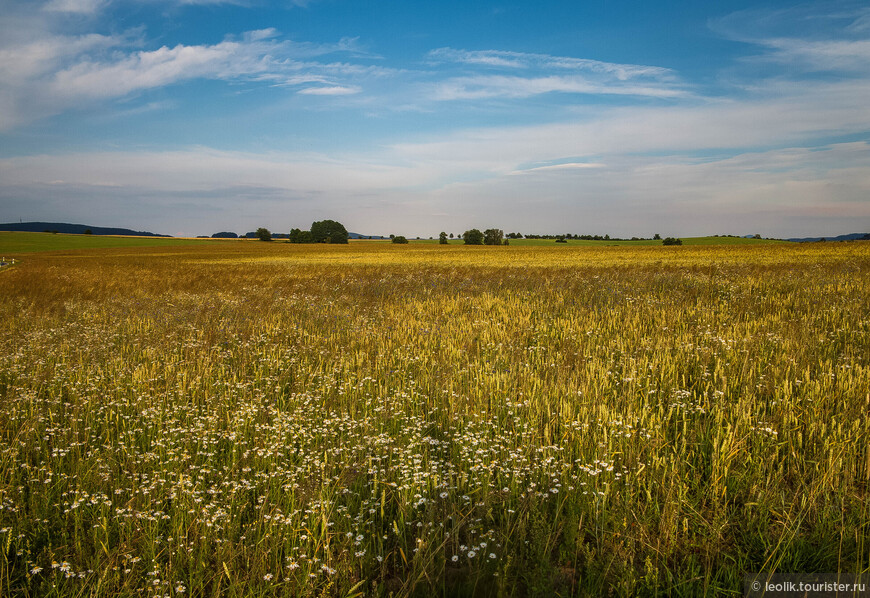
x=191, y=117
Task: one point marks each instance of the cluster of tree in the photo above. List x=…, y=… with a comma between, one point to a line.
x=491, y=236
x=225, y=235
x=399, y=239
x=322, y=231
x=672, y=241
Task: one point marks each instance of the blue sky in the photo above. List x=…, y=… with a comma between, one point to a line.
x=189, y=117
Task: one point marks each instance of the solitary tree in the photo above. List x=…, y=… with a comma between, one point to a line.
x=399, y=240
x=263, y=234
x=328, y=231
x=442, y=239
x=493, y=236
x=451, y=235
x=473, y=237
x=657, y=237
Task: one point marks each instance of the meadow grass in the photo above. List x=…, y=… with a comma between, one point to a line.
x=266, y=419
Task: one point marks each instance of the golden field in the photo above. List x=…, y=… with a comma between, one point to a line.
x=267, y=419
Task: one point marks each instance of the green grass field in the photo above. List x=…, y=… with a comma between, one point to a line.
x=16, y=243
x=227, y=419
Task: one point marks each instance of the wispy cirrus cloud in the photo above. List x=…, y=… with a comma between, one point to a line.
x=529, y=74
x=525, y=60
x=845, y=56
x=810, y=38
x=334, y=90
x=508, y=87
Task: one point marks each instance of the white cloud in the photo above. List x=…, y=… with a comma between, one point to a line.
x=480, y=57
x=513, y=60
x=75, y=6
x=814, y=37
x=496, y=86
x=50, y=73
x=335, y=90
x=566, y=167
x=821, y=56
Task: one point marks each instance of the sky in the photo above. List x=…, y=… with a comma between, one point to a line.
x=627, y=118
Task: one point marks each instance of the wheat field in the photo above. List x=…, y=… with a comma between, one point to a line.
x=266, y=419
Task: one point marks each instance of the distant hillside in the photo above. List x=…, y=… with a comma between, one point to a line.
x=852, y=237
x=73, y=229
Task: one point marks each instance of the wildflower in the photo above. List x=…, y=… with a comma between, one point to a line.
x=471, y=554
x=268, y=577
x=491, y=555
x=454, y=558
x=35, y=570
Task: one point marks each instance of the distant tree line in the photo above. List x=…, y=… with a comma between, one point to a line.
x=330, y=231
